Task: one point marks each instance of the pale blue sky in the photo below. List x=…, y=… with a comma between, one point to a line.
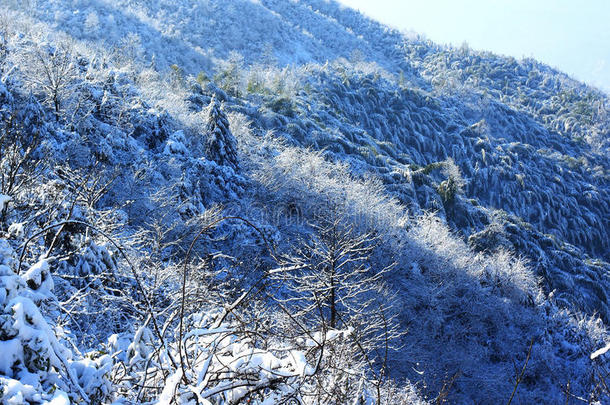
x=571, y=35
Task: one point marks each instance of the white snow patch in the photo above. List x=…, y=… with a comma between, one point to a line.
x=60, y=398
x=4, y=199
x=16, y=229
x=170, y=387
x=39, y=277
x=15, y=391
x=12, y=352
x=301, y=366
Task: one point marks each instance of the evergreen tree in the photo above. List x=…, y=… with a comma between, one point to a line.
x=220, y=145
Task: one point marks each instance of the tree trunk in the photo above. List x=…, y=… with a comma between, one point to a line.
x=333, y=305
x=56, y=103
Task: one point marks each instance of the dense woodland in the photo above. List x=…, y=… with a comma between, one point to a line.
x=285, y=202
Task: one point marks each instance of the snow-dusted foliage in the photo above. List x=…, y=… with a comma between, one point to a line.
x=220, y=144
x=225, y=202
x=36, y=366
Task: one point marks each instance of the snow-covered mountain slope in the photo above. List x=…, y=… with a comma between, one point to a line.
x=481, y=183
x=187, y=33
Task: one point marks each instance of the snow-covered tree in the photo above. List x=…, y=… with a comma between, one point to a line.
x=230, y=76
x=52, y=71
x=220, y=144
x=333, y=284
x=454, y=185
x=35, y=365
x=22, y=129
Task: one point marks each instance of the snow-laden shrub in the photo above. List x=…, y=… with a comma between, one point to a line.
x=221, y=360
x=95, y=291
x=176, y=144
x=35, y=365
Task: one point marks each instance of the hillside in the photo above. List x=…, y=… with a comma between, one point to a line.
x=286, y=202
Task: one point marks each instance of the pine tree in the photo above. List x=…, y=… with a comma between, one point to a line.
x=221, y=145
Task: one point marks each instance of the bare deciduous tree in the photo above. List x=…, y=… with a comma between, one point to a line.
x=333, y=286
x=53, y=72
